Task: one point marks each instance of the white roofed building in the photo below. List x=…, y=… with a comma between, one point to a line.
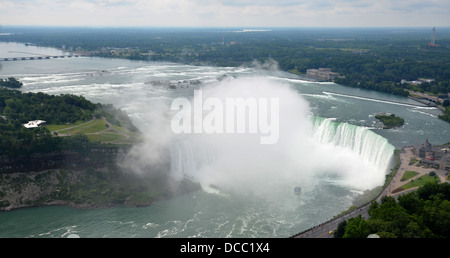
x=34, y=123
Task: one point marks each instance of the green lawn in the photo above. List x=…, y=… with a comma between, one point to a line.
x=125, y=130
x=53, y=127
x=413, y=161
x=97, y=126
x=97, y=130
x=409, y=174
x=91, y=127
x=105, y=137
x=420, y=181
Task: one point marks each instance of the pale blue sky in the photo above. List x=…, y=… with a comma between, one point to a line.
x=227, y=13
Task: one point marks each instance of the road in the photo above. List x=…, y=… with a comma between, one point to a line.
x=323, y=230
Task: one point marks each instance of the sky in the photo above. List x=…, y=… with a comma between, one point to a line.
x=227, y=13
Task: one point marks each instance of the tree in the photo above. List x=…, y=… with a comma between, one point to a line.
x=424, y=214
x=410, y=202
x=11, y=82
x=446, y=103
x=356, y=228
x=339, y=233
x=436, y=215
x=429, y=189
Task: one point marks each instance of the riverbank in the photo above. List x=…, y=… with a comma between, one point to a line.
x=428, y=103
x=108, y=186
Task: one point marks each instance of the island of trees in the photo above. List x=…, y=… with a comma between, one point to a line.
x=390, y=120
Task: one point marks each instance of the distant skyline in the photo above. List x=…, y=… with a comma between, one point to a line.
x=227, y=13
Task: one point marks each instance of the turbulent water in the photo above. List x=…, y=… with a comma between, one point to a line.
x=369, y=146
x=329, y=144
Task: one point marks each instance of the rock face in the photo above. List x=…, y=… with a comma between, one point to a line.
x=83, y=180
x=19, y=190
x=33, y=180
x=88, y=188
x=56, y=160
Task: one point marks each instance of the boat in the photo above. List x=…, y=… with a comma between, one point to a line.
x=297, y=190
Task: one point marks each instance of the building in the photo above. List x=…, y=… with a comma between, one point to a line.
x=444, y=163
x=34, y=124
x=425, y=150
x=324, y=74
x=439, y=156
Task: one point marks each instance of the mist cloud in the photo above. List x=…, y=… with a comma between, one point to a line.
x=238, y=161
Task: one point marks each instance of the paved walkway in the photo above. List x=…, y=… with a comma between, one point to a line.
x=405, y=158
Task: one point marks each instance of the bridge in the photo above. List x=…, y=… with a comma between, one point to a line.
x=35, y=56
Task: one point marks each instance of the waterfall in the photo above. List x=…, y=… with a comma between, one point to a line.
x=307, y=150
x=354, y=155
x=371, y=147
x=188, y=156
x=182, y=158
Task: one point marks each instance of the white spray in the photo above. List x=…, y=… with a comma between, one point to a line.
x=241, y=162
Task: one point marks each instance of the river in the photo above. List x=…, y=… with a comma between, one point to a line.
x=330, y=145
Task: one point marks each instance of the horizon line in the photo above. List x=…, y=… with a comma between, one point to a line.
x=221, y=27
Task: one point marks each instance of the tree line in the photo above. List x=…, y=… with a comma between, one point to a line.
x=11, y=82
x=17, y=108
x=65, y=108
x=366, y=57
x=424, y=213
x=375, y=59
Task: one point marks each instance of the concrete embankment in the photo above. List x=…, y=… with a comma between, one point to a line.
x=427, y=102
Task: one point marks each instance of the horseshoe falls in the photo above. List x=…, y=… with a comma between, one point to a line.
x=370, y=147
x=342, y=153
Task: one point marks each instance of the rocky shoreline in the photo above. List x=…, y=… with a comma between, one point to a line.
x=87, y=188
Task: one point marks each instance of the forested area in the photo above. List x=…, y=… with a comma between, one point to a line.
x=17, y=108
x=446, y=115
x=23, y=107
x=424, y=213
x=11, y=82
x=370, y=58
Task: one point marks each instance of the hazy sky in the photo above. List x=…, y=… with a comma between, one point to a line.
x=224, y=13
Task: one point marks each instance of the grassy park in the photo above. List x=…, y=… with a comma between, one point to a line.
x=430, y=177
x=97, y=130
